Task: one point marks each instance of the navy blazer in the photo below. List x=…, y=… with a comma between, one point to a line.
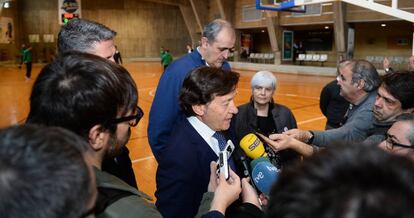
x=183, y=172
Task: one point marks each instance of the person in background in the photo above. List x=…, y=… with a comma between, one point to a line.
x=332, y=104
x=387, y=65
x=262, y=114
x=189, y=48
x=166, y=58
x=117, y=56
x=27, y=60
x=21, y=51
x=44, y=174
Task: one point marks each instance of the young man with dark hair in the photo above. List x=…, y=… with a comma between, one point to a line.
x=97, y=99
x=43, y=173
x=95, y=38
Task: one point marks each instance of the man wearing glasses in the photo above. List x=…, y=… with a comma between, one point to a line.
x=394, y=97
x=97, y=100
x=400, y=137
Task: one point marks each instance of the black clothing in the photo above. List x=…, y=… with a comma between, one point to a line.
x=332, y=105
x=121, y=167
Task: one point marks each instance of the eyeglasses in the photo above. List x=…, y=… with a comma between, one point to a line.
x=391, y=143
x=132, y=120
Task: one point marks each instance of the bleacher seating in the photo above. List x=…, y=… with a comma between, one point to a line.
x=261, y=58
x=312, y=58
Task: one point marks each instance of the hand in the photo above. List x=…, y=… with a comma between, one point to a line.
x=249, y=194
x=278, y=141
x=263, y=199
x=227, y=191
x=386, y=63
x=301, y=135
x=214, y=180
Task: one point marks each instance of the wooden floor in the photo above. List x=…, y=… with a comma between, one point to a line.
x=299, y=92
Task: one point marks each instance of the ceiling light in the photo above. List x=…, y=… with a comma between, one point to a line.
x=383, y=24
x=6, y=4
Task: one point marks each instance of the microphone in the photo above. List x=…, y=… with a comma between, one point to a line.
x=252, y=146
x=264, y=175
x=254, y=162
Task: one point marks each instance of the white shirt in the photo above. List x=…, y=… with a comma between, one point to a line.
x=202, y=58
x=205, y=132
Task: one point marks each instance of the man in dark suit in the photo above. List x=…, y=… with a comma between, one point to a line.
x=183, y=172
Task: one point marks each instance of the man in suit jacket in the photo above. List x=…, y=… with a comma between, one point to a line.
x=217, y=41
x=183, y=172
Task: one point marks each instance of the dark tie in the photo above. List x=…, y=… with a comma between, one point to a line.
x=221, y=140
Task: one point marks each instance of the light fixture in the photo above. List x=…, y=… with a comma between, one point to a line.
x=6, y=4
x=263, y=31
x=383, y=25
x=326, y=27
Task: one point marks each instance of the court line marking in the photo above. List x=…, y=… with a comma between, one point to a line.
x=311, y=120
x=142, y=159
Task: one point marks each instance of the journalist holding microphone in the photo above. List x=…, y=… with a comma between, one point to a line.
x=263, y=115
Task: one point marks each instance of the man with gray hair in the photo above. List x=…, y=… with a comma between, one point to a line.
x=358, y=81
x=217, y=42
x=97, y=39
x=400, y=137
x=87, y=36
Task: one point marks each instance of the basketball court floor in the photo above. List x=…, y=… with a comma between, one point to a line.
x=299, y=92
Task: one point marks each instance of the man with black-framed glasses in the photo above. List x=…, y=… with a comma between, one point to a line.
x=96, y=99
x=400, y=137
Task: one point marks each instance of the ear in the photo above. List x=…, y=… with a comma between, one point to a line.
x=199, y=109
x=361, y=84
x=97, y=137
x=204, y=41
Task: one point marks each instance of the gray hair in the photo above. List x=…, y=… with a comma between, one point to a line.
x=263, y=79
x=362, y=69
x=81, y=35
x=408, y=118
x=212, y=29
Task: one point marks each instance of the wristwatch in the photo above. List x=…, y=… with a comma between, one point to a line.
x=310, y=140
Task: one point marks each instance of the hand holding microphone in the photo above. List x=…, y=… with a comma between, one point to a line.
x=283, y=141
x=225, y=191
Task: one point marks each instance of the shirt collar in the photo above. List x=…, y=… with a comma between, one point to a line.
x=205, y=132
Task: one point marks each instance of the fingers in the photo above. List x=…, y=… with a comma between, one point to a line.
x=212, y=185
